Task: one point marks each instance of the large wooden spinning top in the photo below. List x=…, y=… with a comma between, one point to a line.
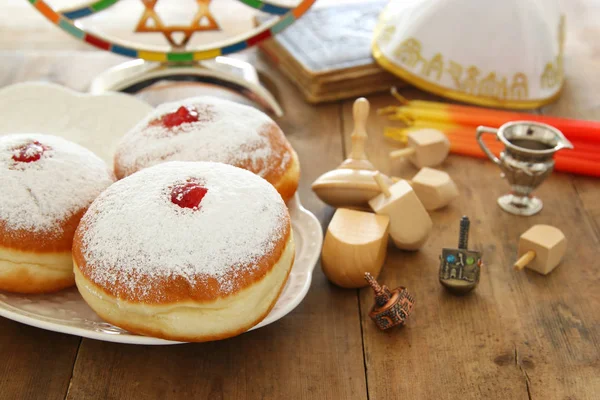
x=392, y=307
x=351, y=184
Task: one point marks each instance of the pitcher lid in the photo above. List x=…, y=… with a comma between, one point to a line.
x=512, y=132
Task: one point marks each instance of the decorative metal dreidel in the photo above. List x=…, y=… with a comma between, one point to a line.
x=459, y=268
x=392, y=307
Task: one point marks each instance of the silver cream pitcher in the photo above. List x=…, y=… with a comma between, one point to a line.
x=526, y=161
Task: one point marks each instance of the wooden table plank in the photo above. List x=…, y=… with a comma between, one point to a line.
x=36, y=364
x=518, y=330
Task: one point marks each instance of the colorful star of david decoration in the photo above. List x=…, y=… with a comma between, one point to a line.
x=202, y=21
x=67, y=20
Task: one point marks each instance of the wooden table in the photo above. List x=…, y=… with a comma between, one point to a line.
x=518, y=336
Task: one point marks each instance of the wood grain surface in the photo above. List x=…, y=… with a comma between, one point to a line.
x=36, y=364
x=520, y=335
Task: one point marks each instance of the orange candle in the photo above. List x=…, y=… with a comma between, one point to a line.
x=582, y=150
x=581, y=130
x=463, y=142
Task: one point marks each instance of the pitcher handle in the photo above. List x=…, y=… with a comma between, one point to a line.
x=480, y=131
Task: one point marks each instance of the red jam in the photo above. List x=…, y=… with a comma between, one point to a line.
x=188, y=195
x=29, y=152
x=183, y=115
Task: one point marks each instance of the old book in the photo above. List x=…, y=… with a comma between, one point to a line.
x=327, y=53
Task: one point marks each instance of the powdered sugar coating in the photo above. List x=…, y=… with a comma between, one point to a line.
x=135, y=237
x=37, y=196
x=226, y=132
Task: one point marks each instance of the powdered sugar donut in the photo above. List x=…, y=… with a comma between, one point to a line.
x=46, y=184
x=211, y=129
x=189, y=251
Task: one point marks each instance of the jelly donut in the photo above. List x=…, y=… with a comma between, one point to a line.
x=46, y=184
x=188, y=251
x=211, y=129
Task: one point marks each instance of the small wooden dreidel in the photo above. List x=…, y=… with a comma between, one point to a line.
x=351, y=183
x=541, y=248
x=435, y=188
x=460, y=268
x=392, y=307
x=425, y=148
x=355, y=243
x=409, y=222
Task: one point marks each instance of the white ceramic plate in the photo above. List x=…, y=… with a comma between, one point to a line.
x=97, y=122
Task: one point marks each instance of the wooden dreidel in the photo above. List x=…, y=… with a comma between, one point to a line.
x=409, y=222
x=351, y=183
x=392, y=307
x=355, y=243
x=460, y=268
x=541, y=248
x=435, y=188
x=425, y=148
